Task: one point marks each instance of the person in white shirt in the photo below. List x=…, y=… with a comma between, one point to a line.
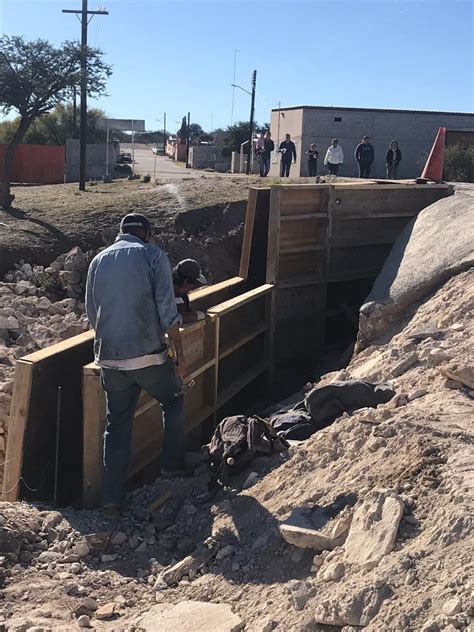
x=334, y=157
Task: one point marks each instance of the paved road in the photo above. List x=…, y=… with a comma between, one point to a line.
x=158, y=166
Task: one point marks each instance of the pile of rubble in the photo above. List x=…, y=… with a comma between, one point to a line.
x=38, y=307
x=364, y=525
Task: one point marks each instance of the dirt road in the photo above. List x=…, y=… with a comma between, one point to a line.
x=158, y=166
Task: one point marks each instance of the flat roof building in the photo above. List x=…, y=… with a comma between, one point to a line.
x=415, y=131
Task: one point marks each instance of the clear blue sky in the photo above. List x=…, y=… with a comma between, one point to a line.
x=178, y=56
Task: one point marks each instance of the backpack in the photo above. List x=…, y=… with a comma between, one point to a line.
x=235, y=442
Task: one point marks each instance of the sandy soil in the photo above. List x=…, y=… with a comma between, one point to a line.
x=416, y=448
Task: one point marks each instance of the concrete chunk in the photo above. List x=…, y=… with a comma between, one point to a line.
x=299, y=530
x=192, y=616
x=374, y=529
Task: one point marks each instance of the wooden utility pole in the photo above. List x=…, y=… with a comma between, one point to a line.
x=83, y=16
x=187, y=140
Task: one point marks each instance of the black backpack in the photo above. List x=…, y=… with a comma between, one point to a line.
x=235, y=442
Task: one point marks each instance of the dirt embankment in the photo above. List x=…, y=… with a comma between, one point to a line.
x=409, y=572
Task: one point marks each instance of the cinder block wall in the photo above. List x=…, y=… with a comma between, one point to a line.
x=415, y=132
x=95, y=157
x=291, y=122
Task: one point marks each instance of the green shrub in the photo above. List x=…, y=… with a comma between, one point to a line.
x=459, y=163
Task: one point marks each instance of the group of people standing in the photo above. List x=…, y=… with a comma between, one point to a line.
x=364, y=155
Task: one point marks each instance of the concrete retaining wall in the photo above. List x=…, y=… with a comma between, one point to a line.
x=96, y=162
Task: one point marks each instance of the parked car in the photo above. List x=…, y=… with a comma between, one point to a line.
x=124, y=157
x=158, y=150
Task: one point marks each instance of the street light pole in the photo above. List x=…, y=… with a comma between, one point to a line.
x=252, y=109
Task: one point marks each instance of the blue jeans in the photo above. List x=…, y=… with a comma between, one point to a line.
x=264, y=166
x=122, y=389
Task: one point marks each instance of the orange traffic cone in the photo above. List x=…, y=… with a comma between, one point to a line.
x=434, y=165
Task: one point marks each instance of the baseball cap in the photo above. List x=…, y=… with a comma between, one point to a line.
x=135, y=220
x=190, y=269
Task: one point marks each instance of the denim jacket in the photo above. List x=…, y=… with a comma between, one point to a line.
x=130, y=299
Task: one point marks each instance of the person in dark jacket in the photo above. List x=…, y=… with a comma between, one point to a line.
x=312, y=154
x=393, y=158
x=187, y=277
x=364, y=154
x=287, y=150
x=265, y=155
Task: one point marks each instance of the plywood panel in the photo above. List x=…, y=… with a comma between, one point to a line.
x=306, y=264
x=302, y=233
x=360, y=201
x=300, y=199
x=357, y=262
x=367, y=232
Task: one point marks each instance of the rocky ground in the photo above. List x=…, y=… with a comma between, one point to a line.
x=396, y=556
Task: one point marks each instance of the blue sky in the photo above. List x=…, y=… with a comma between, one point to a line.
x=178, y=56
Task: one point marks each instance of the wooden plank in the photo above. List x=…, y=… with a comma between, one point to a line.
x=54, y=367
x=206, y=297
x=19, y=412
x=94, y=406
x=274, y=235
x=234, y=303
x=301, y=264
x=357, y=261
x=241, y=382
x=298, y=199
x=381, y=200
x=246, y=337
x=258, y=250
x=289, y=218
x=70, y=344
x=305, y=232
x=367, y=231
x=248, y=233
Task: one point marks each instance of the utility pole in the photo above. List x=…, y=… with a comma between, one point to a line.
x=84, y=20
x=164, y=133
x=252, y=108
x=187, y=140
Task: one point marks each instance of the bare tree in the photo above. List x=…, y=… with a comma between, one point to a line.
x=34, y=77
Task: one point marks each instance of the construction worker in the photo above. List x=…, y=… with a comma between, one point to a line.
x=187, y=277
x=130, y=303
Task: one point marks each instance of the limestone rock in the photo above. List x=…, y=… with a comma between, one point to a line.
x=299, y=530
x=192, y=616
x=374, y=529
x=452, y=607
x=106, y=611
x=353, y=609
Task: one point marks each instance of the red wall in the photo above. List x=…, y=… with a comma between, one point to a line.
x=37, y=164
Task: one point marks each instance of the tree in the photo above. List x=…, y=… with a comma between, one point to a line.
x=236, y=134
x=34, y=77
x=55, y=127
x=183, y=131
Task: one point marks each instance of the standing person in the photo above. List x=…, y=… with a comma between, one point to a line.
x=334, y=157
x=187, y=277
x=265, y=155
x=393, y=158
x=130, y=303
x=287, y=150
x=364, y=154
x=312, y=154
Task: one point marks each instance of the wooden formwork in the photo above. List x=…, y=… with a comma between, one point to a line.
x=321, y=235
x=199, y=340
x=224, y=354
x=33, y=450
